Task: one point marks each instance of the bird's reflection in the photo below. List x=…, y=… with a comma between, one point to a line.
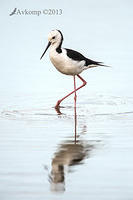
x=68, y=154
x=57, y=109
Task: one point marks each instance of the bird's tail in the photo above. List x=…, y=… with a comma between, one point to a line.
x=101, y=64
x=96, y=65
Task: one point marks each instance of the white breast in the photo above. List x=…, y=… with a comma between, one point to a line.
x=64, y=64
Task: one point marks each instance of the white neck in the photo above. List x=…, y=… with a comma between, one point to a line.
x=55, y=45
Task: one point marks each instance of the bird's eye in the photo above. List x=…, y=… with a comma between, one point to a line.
x=53, y=37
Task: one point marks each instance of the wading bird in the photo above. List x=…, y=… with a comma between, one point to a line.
x=68, y=61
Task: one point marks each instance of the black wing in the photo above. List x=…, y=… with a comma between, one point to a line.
x=79, y=57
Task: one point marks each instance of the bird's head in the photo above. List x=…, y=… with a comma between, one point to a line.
x=54, y=37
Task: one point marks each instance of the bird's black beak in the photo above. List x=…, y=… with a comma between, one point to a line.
x=46, y=49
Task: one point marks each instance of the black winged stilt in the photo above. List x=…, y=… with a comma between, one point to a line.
x=68, y=61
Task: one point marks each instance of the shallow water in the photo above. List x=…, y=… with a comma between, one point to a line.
x=42, y=159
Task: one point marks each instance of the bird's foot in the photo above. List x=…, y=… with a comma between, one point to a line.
x=58, y=104
x=57, y=108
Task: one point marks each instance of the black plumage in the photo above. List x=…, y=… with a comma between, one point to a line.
x=58, y=49
x=79, y=57
x=74, y=55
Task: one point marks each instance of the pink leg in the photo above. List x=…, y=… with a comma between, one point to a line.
x=74, y=91
x=84, y=83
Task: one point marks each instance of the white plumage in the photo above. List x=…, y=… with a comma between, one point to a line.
x=64, y=64
x=67, y=61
